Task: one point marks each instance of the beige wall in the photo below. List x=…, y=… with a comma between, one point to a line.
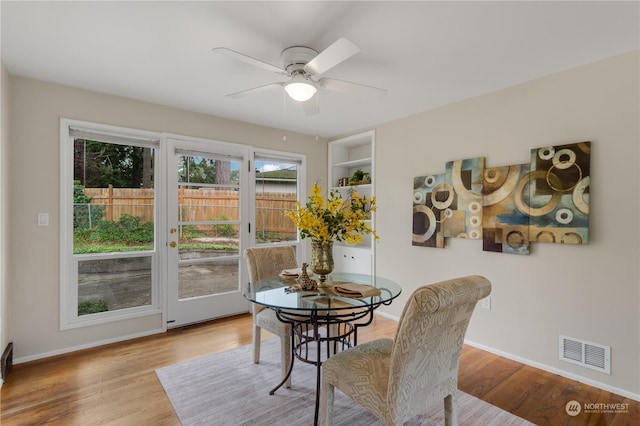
x=588, y=292
x=36, y=108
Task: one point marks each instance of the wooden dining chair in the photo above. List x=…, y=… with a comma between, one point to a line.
x=400, y=378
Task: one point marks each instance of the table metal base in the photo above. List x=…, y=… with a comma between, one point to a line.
x=339, y=332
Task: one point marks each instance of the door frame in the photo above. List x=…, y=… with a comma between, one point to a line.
x=204, y=146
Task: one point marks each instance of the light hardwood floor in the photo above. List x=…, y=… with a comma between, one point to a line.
x=116, y=384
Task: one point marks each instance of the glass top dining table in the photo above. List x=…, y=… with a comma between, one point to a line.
x=274, y=293
x=308, y=310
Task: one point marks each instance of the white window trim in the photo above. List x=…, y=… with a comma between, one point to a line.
x=300, y=159
x=69, y=318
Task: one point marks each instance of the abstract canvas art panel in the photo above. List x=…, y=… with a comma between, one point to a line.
x=505, y=228
x=464, y=179
x=431, y=196
x=558, y=186
x=507, y=207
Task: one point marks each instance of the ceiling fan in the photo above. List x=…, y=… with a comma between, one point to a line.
x=302, y=65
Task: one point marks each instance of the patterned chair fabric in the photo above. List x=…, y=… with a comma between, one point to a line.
x=399, y=379
x=263, y=263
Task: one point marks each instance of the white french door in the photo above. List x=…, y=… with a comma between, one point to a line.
x=207, y=204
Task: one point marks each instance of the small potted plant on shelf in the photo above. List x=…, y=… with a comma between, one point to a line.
x=360, y=177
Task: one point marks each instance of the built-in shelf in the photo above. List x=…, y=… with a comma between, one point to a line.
x=347, y=155
x=359, y=162
x=362, y=187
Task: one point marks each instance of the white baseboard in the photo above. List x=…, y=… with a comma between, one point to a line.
x=544, y=367
x=557, y=371
x=86, y=346
x=382, y=314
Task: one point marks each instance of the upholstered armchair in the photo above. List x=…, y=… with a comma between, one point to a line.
x=263, y=263
x=401, y=378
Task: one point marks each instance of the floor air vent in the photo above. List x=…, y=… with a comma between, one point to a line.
x=586, y=354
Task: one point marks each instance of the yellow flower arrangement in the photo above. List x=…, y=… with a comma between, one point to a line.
x=334, y=218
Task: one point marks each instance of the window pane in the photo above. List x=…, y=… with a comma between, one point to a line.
x=111, y=284
x=208, y=240
x=205, y=170
x=209, y=208
x=205, y=204
x=202, y=279
x=113, y=193
x=276, y=192
x=113, y=212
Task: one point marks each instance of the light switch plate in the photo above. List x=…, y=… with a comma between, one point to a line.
x=43, y=219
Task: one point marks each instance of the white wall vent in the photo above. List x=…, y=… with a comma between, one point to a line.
x=586, y=354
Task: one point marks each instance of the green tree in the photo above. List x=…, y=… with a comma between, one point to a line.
x=197, y=170
x=235, y=176
x=100, y=164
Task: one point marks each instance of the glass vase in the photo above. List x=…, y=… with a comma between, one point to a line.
x=322, y=259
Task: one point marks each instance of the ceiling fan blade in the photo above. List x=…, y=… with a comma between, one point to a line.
x=311, y=107
x=253, y=91
x=339, y=51
x=350, y=88
x=249, y=60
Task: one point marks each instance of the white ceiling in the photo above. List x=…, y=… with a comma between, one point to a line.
x=427, y=54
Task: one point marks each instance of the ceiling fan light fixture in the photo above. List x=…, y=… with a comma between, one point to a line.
x=299, y=89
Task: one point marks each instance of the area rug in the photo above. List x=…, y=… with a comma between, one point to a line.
x=227, y=388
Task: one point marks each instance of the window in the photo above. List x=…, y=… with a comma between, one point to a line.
x=108, y=224
x=277, y=188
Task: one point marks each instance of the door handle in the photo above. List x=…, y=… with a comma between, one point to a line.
x=173, y=244
x=173, y=230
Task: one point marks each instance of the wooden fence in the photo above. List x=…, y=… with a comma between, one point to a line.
x=197, y=205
